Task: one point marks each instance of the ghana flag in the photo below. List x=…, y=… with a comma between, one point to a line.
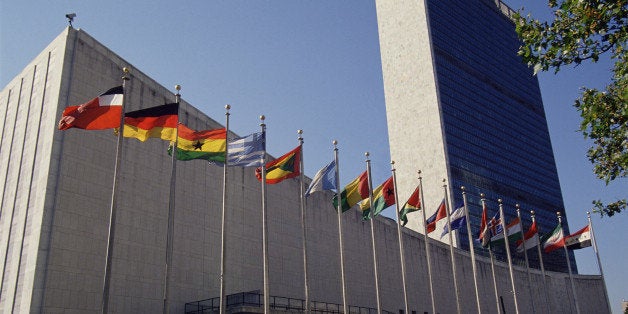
x=413, y=204
x=209, y=145
x=158, y=122
x=284, y=167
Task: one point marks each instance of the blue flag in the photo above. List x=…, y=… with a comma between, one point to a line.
x=246, y=151
x=325, y=179
x=457, y=219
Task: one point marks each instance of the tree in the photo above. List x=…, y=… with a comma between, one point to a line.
x=582, y=30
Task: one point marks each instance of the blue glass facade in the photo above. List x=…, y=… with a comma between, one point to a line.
x=496, y=135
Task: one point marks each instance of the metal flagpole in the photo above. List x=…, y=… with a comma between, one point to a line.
x=538, y=248
x=525, y=254
x=490, y=252
x=113, y=208
x=303, y=205
x=264, y=221
x=345, y=308
x=427, y=243
x=573, y=286
x=597, y=254
x=471, y=248
x=223, y=234
x=370, y=182
x=451, y=248
x=400, y=237
x=512, y=274
x=171, y=206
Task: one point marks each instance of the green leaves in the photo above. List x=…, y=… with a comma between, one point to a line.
x=581, y=31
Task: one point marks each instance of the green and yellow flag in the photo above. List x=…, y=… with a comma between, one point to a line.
x=353, y=193
x=209, y=145
x=383, y=197
x=284, y=167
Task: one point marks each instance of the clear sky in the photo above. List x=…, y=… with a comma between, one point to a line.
x=311, y=65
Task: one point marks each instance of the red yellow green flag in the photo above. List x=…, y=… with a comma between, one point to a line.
x=209, y=145
x=383, y=197
x=353, y=193
x=284, y=167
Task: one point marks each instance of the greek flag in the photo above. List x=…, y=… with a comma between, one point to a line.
x=246, y=151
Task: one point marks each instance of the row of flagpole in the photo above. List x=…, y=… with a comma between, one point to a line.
x=303, y=206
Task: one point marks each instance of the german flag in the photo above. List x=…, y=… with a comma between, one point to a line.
x=159, y=122
x=209, y=145
x=284, y=167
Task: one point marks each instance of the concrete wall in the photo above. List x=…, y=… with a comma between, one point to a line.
x=65, y=242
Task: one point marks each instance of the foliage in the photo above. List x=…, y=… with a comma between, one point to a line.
x=583, y=30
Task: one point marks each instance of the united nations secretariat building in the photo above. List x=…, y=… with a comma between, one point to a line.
x=447, y=65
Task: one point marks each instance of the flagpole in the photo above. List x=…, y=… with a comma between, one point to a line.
x=400, y=237
x=345, y=308
x=451, y=248
x=113, y=208
x=538, y=247
x=490, y=252
x=472, y=249
x=573, y=286
x=264, y=221
x=525, y=254
x=303, y=206
x=597, y=254
x=427, y=243
x=171, y=206
x=372, y=217
x=223, y=234
x=512, y=274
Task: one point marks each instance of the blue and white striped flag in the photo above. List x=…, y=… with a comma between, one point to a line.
x=325, y=179
x=458, y=220
x=246, y=151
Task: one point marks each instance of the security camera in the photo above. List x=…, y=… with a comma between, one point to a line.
x=70, y=15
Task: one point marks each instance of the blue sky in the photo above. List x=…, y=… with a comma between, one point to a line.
x=311, y=65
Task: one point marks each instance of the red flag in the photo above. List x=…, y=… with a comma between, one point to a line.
x=102, y=112
x=440, y=213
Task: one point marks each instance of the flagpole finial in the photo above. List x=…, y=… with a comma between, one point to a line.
x=334, y=142
x=299, y=131
x=532, y=212
x=481, y=195
x=589, y=215
x=462, y=188
x=392, y=166
x=177, y=87
x=125, y=70
x=227, y=107
x=499, y=200
x=262, y=118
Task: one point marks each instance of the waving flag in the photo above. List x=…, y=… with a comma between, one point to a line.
x=579, y=240
x=353, y=193
x=284, y=167
x=155, y=122
x=324, y=180
x=554, y=240
x=530, y=239
x=102, y=112
x=209, y=145
x=440, y=213
x=457, y=219
x=383, y=197
x=247, y=151
x=413, y=204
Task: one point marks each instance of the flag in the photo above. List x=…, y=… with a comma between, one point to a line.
x=513, y=230
x=530, y=239
x=383, y=197
x=413, y=204
x=247, y=151
x=491, y=229
x=440, y=213
x=155, y=122
x=457, y=219
x=285, y=167
x=324, y=180
x=209, y=145
x=102, y=112
x=554, y=240
x=483, y=224
x=354, y=192
x=579, y=240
